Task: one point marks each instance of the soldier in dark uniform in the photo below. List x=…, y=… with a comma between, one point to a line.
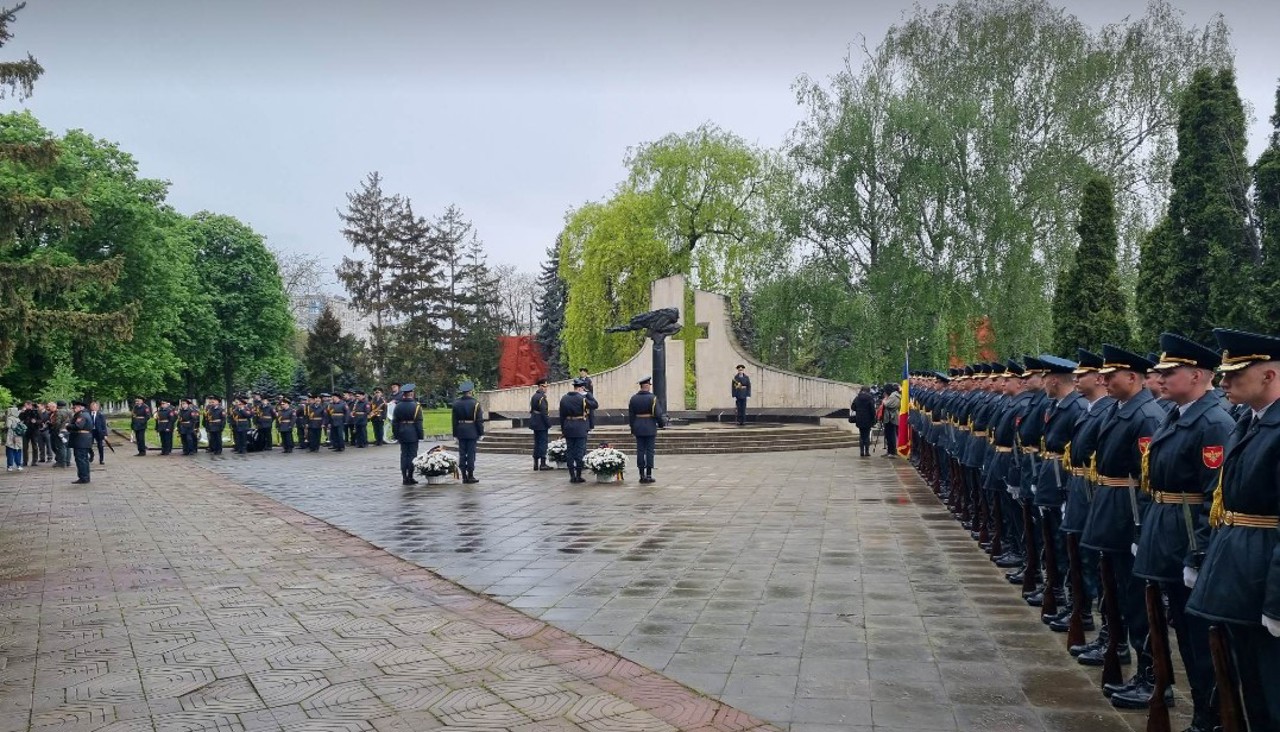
x=575, y=425
x=1030, y=431
x=591, y=391
x=215, y=420
x=300, y=420
x=141, y=415
x=1115, y=515
x=360, y=420
x=166, y=417
x=264, y=416
x=378, y=416
x=468, y=428
x=1003, y=463
x=1237, y=585
x=1063, y=407
x=185, y=427
x=1180, y=468
x=241, y=419
x=349, y=427
x=646, y=417
x=80, y=440
x=740, y=389
x=317, y=417
x=540, y=423
x=286, y=416
x=406, y=427
x=338, y=415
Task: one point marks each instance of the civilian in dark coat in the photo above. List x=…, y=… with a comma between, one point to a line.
x=863, y=411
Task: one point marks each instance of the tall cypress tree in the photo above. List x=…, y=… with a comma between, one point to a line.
x=1266, y=191
x=1088, y=307
x=1157, y=267
x=551, y=306
x=324, y=356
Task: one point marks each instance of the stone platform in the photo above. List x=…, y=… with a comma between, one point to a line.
x=698, y=438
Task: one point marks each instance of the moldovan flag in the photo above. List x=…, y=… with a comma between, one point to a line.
x=904, y=409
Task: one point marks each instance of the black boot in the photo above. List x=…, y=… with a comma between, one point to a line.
x=1097, y=656
x=1139, y=695
x=1098, y=642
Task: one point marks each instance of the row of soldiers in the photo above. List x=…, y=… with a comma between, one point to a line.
x=1134, y=481
x=253, y=421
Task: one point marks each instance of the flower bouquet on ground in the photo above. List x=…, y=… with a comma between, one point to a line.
x=437, y=465
x=558, y=452
x=606, y=462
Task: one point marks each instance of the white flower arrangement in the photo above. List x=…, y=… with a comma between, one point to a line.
x=558, y=451
x=436, y=463
x=605, y=461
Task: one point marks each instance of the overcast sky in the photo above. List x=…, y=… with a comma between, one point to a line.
x=271, y=110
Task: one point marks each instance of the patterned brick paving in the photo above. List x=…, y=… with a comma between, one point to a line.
x=167, y=597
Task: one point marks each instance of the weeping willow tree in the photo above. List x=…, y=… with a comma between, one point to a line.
x=41, y=291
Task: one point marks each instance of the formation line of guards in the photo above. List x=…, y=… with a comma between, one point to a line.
x=1134, y=481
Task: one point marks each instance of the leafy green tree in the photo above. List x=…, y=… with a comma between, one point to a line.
x=326, y=354
x=63, y=385
x=1089, y=307
x=1266, y=190
x=553, y=297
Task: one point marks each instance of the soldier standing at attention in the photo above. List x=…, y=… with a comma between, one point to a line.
x=360, y=420
x=80, y=437
x=241, y=421
x=646, y=417
x=591, y=391
x=339, y=414
x=215, y=420
x=540, y=423
x=741, y=390
x=166, y=416
x=378, y=416
x=141, y=415
x=1238, y=583
x=406, y=427
x=468, y=427
x=575, y=425
x=264, y=420
x=315, y=421
x=349, y=429
x=285, y=419
x=188, y=425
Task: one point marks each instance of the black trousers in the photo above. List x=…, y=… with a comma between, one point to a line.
x=644, y=452
x=576, y=449
x=467, y=455
x=184, y=439
x=313, y=439
x=890, y=438
x=740, y=406
x=101, y=442
x=32, y=447
x=1132, y=603
x=286, y=439
x=408, y=451
x=1257, y=655
x=166, y=442
x=84, y=456
x=1193, y=645
x=540, y=445
x=140, y=437
x=337, y=437
x=864, y=440
x=361, y=435
x=215, y=442
x=379, y=427
x=242, y=441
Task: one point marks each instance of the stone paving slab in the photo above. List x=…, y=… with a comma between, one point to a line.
x=818, y=591
x=167, y=597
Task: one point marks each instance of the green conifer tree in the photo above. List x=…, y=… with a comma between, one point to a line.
x=1088, y=307
x=551, y=304
x=1266, y=191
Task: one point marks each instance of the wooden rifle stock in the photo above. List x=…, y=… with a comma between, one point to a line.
x=1162, y=663
x=1115, y=626
x=1075, y=628
x=1051, y=579
x=1031, y=572
x=1228, y=696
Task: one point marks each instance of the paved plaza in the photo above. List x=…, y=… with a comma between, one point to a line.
x=815, y=591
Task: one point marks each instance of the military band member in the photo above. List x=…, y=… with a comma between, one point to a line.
x=740, y=389
x=349, y=427
x=1238, y=583
x=286, y=416
x=406, y=427
x=166, y=417
x=646, y=417
x=338, y=414
x=215, y=420
x=378, y=416
x=300, y=419
x=575, y=424
x=316, y=420
x=468, y=428
x=540, y=423
x=141, y=414
x=264, y=418
x=360, y=420
x=241, y=419
x=188, y=426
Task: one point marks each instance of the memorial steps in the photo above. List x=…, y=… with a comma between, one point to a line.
x=690, y=439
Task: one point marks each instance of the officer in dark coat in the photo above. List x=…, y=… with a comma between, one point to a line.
x=264, y=417
x=215, y=421
x=80, y=440
x=646, y=417
x=863, y=412
x=1064, y=405
x=575, y=424
x=378, y=416
x=1181, y=468
x=349, y=427
x=468, y=428
x=360, y=420
x=166, y=420
x=406, y=427
x=1003, y=468
x=338, y=415
x=188, y=426
x=241, y=419
x=540, y=423
x=740, y=390
x=316, y=421
x=1238, y=583
x=138, y=423
x=1118, y=502
x=286, y=416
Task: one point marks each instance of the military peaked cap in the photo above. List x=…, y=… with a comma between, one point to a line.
x=1013, y=369
x=1089, y=361
x=1176, y=350
x=1115, y=359
x=1055, y=365
x=1241, y=350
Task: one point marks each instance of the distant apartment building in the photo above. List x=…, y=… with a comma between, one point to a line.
x=307, y=308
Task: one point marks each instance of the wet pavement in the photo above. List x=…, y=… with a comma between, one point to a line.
x=815, y=590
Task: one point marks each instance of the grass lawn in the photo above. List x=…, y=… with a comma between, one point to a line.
x=434, y=422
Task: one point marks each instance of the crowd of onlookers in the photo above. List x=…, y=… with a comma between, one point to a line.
x=876, y=405
x=37, y=433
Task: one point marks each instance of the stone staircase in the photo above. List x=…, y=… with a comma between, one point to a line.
x=690, y=440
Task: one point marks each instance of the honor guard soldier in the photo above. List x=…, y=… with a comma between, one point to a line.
x=1237, y=587
x=1030, y=432
x=646, y=417
x=241, y=422
x=285, y=419
x=188, y=426
x=406, y=428
x=138, y=423
x=166, y=419
x=80, y=440
x=338, y=415
x=1180, y=468
x=1063, y=407
x=300, y=419
x=316, y=420
x=468, y=428
x=215, y=421
x=591, y=391
x=1004, y=533
x=540, y=423
x=378, y=416
x=264, y=416
x=360, y=420
x=741, y=392
x=1115, y=515
x=575, y=424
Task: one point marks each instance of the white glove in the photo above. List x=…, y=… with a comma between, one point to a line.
x=1272, y=626
x=1189, y=577
x=1133, y=549
x=1033, y=489
x=1012, y=490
